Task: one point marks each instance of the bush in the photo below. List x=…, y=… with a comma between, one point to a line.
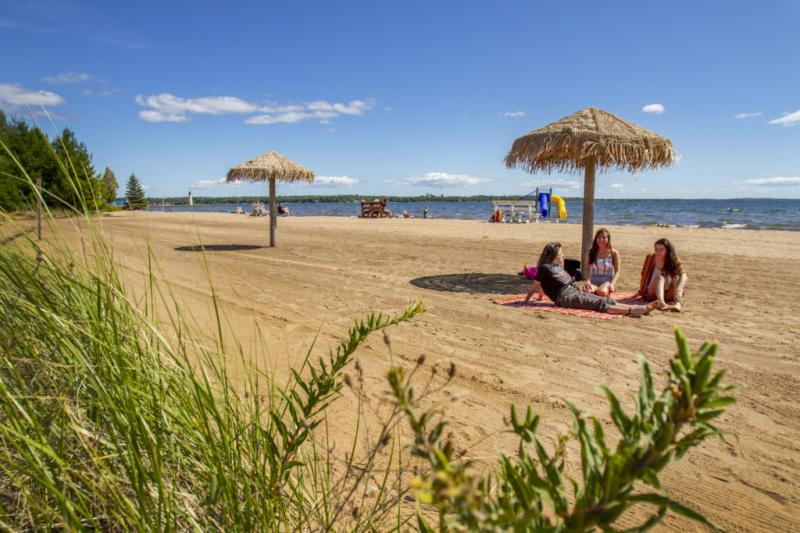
x=530, y=492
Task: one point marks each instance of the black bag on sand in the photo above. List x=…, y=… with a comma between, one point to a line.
x=573, y=268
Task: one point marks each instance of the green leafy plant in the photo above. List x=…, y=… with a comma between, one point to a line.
x=530, y=491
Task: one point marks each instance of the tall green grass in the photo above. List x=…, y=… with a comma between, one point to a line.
x=108, y=423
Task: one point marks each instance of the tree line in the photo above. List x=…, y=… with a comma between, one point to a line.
x=62, y=165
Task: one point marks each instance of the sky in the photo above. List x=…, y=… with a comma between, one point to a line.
x=409, y=98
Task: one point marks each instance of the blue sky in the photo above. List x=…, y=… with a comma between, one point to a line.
x=408, y=98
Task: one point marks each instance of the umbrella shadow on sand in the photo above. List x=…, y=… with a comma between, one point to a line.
x=218, y=247
x=475, y=283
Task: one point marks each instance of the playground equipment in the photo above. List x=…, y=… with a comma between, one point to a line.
x=537, y=204
x=561, y=205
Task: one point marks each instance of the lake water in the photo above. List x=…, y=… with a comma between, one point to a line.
x=777, y=214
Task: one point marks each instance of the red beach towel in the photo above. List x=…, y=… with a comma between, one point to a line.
x=628, y=297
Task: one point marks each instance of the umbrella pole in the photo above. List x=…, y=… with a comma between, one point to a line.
x=588, y=215
x=273, y=216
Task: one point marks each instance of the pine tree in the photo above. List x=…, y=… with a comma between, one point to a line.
x=110, y=186
x=77, y=182
x=135, y=194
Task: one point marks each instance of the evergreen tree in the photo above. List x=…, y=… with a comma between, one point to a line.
x=110, y=186
x=29, y=147
x=135, y=194
x=64, y=167
x=77, y=182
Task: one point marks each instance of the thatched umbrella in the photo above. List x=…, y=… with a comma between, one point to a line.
x=590, y=138
x=273, y=167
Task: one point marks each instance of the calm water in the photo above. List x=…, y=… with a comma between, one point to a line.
x=741, y=213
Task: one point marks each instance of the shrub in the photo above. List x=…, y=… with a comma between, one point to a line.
x=530, y=492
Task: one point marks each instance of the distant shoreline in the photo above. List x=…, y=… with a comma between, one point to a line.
x=728, y=214
x=352, y=198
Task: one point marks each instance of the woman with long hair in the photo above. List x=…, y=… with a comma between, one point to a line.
x=553, y=280
x=604, y=265
x=663, y=277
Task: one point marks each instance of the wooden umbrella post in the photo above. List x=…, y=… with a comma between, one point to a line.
x=273, y=215
x=588, y=214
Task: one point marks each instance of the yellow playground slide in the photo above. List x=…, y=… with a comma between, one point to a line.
x=561, y=204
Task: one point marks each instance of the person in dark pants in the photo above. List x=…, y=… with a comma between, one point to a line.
x=553, y=280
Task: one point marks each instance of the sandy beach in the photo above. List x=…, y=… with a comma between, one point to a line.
x=328, y=270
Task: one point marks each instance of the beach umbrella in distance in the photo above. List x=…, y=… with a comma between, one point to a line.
x=590, y=139
x=272, y=167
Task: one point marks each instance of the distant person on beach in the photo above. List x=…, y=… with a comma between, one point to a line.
x=425, y=212
x=663, y=277
x=387, y=213
x=283, y=211
x=553, y=280
x=604, y=263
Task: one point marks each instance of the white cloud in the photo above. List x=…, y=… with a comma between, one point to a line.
x=319, y=110
x=166, y=107
x=14, y=96
x=778, y=181
x=789, y=119
x=208, y=184
x=617, y=186
x=747, y=115
x=514, y=114
x=356, y=107
x=158, y=116
x=335, y=181
x=653, y=108
x=68, y=77
x=442, y=179
x=554, y=182
x=292, y=117
x=169, y=104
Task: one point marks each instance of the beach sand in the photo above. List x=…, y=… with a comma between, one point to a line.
x=326, y=271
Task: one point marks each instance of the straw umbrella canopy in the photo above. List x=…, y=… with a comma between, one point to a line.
x=270, y=167
x=589, y=139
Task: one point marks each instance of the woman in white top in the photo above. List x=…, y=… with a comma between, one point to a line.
x=604, y=265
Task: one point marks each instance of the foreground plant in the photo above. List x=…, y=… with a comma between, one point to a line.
x=530, y=492
x=107, y=421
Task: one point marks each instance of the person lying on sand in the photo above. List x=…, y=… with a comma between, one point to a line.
x=553, y=280
x=604, y=265
x=663, y=277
